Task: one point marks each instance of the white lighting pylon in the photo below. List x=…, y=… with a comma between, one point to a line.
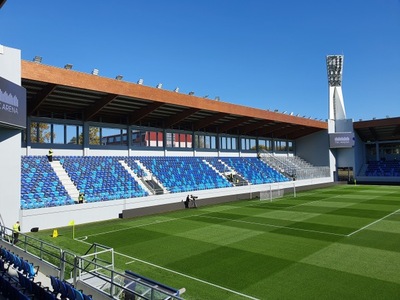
x=334, y=64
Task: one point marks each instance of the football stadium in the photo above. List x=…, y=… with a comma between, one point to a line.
x=127, y=191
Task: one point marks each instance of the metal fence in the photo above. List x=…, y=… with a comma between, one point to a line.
x=94, y=269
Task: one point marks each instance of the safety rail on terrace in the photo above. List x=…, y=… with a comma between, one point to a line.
x=294, y=167
x=92, y=272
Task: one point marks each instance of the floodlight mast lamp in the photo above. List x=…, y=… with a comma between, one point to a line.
x=334, y=64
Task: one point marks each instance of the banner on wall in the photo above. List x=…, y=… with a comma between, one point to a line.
x=341, y=140
x=12, y=105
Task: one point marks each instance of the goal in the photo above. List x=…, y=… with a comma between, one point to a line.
x=271, y=194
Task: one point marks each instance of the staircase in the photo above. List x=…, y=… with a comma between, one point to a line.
x=152, y=182
x=65, y=179
x=138, y=180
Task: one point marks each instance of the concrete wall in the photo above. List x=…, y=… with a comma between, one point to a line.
x=359, y=155
x=10, y=64
x=344, y=156
x=10, y=145
x=318, y=154
x=10, y=174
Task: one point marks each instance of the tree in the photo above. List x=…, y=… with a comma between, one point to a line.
x=41, y=133
x=94, y=136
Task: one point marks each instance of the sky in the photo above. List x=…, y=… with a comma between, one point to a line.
x=266, y=54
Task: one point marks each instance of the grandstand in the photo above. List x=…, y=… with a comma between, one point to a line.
x=132, y=147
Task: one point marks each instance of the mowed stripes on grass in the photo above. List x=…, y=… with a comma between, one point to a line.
x=340, y=242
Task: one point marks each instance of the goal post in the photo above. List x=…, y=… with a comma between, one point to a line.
x=278, y=192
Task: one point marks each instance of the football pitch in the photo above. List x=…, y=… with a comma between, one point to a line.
x=340, y=242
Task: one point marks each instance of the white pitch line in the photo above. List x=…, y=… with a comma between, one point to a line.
x=297, y=205
x=182, y=274
x=372, y=223
x=275, y=226
x=191, y=277
x=147, y=224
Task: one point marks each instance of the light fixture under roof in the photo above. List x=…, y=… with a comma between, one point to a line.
x=68, y=66
x=95, y=72
x=37, y=59
x=119, y=77
x=140, y=81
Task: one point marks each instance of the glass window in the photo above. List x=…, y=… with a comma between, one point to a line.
x=248, y=144
x=228, y=143
x=58, y=134
x=113, y=136
x=265, y=144
x=234, y=143
x=290, y=146
x=252, y=144
x=280, y=146
x=213, y=142
x=94, y=135
x=222, y=144
x=181, y=140
x=199, y=141
x=40, y=133
x=74, y=134
x=145, y=138
x=207, y=143
x=169, y=139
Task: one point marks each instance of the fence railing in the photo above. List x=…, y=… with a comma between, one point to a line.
x=95, y=268
x=303, y=171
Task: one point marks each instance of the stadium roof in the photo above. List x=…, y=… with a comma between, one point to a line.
x=67, y=94
x=378, y=130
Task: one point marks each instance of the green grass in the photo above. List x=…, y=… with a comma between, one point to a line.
x=334, y=243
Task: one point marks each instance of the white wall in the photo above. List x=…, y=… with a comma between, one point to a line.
x=10, y=176
x=10, y=145
x=148, y=152
x=342, y=157
x=345, y=157
x=10, y=64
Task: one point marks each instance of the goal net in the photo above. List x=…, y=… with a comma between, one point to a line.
x=271, y=194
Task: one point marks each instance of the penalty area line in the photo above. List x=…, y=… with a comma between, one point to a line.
x=275, y=226
x=143, y=225
x=374, y=222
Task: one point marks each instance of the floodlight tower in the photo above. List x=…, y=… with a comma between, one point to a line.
x=334, y=65
x=340, y=129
